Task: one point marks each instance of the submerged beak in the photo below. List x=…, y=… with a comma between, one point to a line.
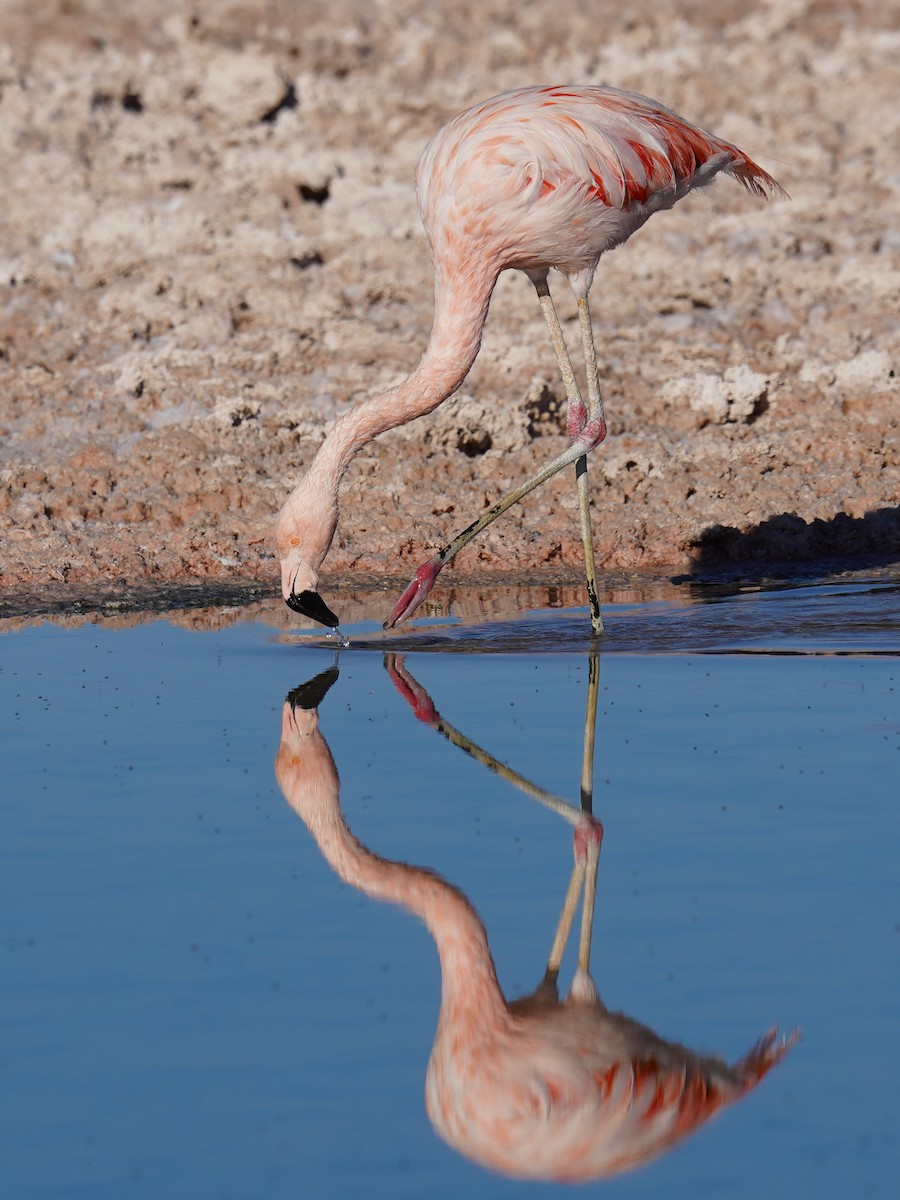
x=311, y=604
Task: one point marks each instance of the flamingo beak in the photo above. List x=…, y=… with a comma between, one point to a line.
x=311, y=604
x=310, y=695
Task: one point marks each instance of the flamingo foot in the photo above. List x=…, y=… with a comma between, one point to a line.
x=412, y=691
x=422, y=583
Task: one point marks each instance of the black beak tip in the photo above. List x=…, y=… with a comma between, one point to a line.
x=310, y=695
x=311, y=604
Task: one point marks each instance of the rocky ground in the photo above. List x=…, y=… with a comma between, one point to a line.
x=210, y=246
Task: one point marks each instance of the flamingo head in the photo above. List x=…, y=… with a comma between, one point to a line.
x=299, y=586
x=302, y=544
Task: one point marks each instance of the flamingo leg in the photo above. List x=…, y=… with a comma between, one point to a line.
x=587, y=432
x=595, y=414
x=576, y=413
x=576, y=418
x=595, y=400
x=587, y=842
x=423, y=580
x=588, y=839
x=567, y=916
x=592, y=864
x=590, y=734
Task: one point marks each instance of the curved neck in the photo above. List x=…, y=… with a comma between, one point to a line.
x=461, y=300
x=469, y=987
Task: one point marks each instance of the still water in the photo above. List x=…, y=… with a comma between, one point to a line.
x=195, y=1005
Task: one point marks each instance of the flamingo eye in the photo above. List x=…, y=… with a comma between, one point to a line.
x=295, y=541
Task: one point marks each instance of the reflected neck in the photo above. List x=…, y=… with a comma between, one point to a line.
x=469, y=987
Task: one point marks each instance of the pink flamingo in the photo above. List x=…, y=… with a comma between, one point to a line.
x=535, y=1088
x=539, y=178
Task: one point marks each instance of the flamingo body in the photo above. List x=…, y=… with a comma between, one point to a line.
x=553, y=177
x=570, y=1091
x=536, y=179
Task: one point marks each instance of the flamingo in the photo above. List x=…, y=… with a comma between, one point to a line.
x=533, y=179
x=537, y=1088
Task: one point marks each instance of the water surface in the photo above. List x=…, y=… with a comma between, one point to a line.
x=194, y=1005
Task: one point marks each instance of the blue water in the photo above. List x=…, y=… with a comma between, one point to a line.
x=193, y=1005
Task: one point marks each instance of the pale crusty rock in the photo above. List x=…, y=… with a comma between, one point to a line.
x=871, y=368
x=738, y=394
x=209, y=247
x=241, y=88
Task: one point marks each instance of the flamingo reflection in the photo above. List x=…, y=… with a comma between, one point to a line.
x=539, y=1087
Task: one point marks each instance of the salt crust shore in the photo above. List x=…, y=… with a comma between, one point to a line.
x=210, y=247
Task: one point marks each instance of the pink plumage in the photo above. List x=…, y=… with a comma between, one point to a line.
x=534, y=179
x=555, y=176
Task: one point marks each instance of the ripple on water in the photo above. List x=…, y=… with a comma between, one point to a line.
x=849, y=617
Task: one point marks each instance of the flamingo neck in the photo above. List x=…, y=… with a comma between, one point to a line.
x=461, y=300
x=469, y=986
